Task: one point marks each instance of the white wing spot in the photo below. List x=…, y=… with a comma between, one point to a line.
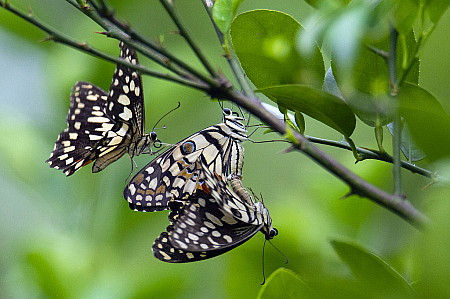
x=132, y=189
x=132, y=86
x=73, y=136
x=77, y=125
x=69, y=149
x=123, y=99
x=137, y=91
x=92, y=98
x=126, y=114
x=125, y=88
x=98, y=119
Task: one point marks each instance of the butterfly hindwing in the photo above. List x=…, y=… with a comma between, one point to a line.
x=104, y=126
x=75, y=145
x=175, y=173
x=201, y=230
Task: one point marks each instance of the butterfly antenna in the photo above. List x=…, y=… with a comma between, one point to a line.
x=264, y=275
x=179, y=104
x=287, y=260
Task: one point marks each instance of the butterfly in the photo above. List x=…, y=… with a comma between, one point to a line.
x=200, y=228
x=102, y=126
x=175, y=172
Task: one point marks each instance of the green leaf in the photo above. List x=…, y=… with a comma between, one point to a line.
x=223, y=14
x=318, y=104
x=330, y=85
x=300, y=121
x=284, y=283
x=322, y=3
x=264, y=42
x=370, y=81
x=407, y=145
x=436, y=8
x=430, y=253
x=403, y=14
x=372, y=271
x=427, y=121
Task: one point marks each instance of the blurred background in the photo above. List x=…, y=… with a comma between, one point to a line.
x=76, y=237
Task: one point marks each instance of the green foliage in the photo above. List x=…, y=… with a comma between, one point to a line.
x=264, y=42
x=76, y=238
x=320, y=105
x=427, y=121
x=283, y=283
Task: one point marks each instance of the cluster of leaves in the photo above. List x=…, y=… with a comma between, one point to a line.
x=373, y=75
x=362, y=80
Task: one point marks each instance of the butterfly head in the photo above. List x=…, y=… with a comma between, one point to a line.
x=234, y=122
x=268, y=230
x=144, y=144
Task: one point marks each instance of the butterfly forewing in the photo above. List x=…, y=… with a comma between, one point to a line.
x=103, y=126
x=175, y=173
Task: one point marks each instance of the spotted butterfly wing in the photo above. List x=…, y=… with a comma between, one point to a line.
x=101, y=126
x=200, y=229
x=175, y=173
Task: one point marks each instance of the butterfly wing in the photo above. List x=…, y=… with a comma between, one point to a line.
x=200, y=230
x=175, y=173
x=75, y=146
x=101, y=126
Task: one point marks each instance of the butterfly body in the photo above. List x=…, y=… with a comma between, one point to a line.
x=102, y=126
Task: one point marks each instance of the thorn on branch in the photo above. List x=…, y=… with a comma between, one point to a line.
x=48, y=38
x=352, y=192
x=175, y=32
x=108, y=34
x=30, y=12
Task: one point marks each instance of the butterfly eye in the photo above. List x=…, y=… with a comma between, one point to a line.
x=153, y=136
x=273, y=232
x=227, y=111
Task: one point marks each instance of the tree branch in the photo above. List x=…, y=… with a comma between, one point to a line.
x=222, y=88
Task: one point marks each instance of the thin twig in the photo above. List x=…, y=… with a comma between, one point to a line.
x=367, y=154
x=396, y=136
x=184, y=32
x=59, y=37
x=230, y=56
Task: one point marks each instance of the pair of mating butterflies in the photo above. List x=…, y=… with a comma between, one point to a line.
x=207, y=217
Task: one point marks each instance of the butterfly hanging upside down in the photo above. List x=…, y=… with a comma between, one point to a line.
x=205, y=226
x=175, y=172
x=103, y=127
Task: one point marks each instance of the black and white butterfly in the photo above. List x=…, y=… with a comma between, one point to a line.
x=201, y=228
x=103, y=127
x=175, y=173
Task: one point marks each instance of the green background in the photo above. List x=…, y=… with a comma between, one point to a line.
x=76, y=237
